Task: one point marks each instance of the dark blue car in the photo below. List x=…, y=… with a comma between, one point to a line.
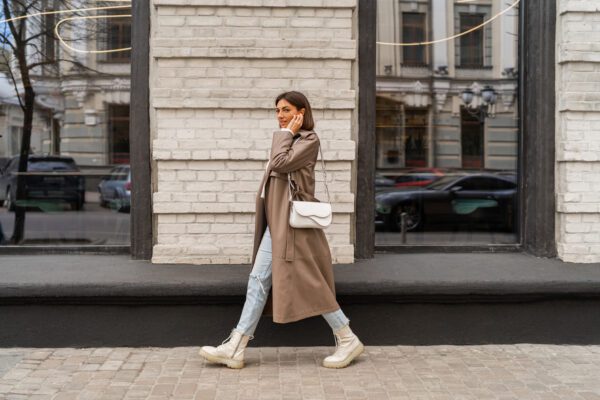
x=50, y=181
x=460, y=198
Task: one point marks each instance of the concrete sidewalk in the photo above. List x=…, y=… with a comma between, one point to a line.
x=519, y=372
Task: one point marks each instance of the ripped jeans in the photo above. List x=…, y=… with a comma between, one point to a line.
x=259, y=284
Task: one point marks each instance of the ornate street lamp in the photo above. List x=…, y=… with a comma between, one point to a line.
x=488, y=99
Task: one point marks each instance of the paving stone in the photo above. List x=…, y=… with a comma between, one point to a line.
x=505, y=372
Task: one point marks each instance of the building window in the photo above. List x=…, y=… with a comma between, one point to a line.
x=389, y=129
x=431, y=150
x=116, y=35
x=48, y=39
x=472, y=131
x=415, y=141
x=471, y=44
x=118, y=128
x=413, y=31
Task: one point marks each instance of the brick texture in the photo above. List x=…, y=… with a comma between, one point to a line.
x=578, y=131
x=216, y=69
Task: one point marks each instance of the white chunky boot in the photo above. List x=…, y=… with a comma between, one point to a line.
x=230, y=352
x=348, y=347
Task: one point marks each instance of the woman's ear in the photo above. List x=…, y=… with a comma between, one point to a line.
x=302, y=110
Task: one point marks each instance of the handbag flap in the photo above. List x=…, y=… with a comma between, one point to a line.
x=312, y=208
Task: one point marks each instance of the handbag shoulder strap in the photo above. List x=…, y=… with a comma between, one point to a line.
x=322, y=169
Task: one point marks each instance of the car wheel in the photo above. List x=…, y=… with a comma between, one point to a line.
x=414, y=219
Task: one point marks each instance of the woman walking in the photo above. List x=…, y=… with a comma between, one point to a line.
x=292, y=273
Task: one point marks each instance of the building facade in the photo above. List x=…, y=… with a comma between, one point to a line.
x=454, y=106
x=83, y=102
x=212, y=116
x=577, y=131
x=211, y=113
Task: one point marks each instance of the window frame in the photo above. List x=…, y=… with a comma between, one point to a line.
x=471, y=36
x=407, y=49
x=105, y=36
x=535, y=226
x=536, y=219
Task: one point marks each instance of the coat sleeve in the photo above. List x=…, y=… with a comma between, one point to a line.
x=287, y=158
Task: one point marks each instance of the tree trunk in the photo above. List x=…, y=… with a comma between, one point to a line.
x=28, y=109
x=19, y=226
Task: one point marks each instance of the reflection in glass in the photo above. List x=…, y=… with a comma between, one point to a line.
x=75, y=188
x=447, y=122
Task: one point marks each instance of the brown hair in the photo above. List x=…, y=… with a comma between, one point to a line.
x=299, y=101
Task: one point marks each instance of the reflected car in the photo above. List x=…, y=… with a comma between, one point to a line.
x=53, y=180
x=413, y=177
x=460, y=198
x=419, y=176
x=115, y=189
x=381, y=182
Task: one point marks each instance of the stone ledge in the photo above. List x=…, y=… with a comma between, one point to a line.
x=253, y=43
x=494, y=276
x=246, y=99
x=578, y=52
x=254, y=52
x=580, y=6
x=259, y=3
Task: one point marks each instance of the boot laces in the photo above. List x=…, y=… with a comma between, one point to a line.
x=227, y=339
x=231, y=334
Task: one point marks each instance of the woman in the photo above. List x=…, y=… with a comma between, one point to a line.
x=292, y=273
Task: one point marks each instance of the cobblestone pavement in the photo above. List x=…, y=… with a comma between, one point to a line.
x=390, y=372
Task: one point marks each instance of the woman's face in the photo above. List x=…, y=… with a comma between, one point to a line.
x=285, y=111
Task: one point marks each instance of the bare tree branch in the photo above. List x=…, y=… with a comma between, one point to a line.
x=79, y=64
x=5, y=40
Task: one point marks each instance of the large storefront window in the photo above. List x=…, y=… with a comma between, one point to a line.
x=74, y=187
x=446, y=122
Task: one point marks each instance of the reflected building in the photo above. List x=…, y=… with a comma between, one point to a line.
x=11, y=122
x=80, y=133
x=452, y=104
x=82, y=105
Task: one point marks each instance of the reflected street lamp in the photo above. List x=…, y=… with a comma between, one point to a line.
x=488, y=99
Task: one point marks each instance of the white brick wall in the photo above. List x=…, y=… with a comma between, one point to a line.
x=578, y=131
x=217, y=66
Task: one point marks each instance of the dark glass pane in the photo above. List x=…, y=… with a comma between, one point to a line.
x=413, y=31
x=471, y=44
x=446, y=132
x=67, y=190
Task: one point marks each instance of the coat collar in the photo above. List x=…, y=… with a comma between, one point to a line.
x=303, y=133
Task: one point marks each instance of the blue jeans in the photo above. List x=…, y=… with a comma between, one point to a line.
x=259, y=284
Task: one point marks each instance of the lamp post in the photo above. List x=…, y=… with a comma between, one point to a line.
x=488, y=99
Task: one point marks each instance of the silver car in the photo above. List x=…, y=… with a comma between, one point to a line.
x=115, y=189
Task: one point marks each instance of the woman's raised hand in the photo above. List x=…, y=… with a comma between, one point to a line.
x=296, y=123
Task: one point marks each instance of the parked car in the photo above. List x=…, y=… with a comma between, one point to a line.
x=115, y=189
x=453, y=199
x=49, y=179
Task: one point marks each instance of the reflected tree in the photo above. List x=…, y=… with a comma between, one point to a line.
x=27, y=35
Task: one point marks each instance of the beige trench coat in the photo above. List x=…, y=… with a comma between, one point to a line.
x=302, y=272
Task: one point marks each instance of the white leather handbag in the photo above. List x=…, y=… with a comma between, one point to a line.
x=310, y=214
